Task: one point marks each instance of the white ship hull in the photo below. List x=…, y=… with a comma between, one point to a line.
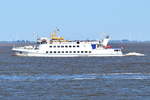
x=94, y=53
x=42, y=55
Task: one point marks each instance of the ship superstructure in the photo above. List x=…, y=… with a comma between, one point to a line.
x=59, y=47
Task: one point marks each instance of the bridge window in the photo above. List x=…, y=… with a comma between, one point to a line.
x=78, y=42
x=116, y=50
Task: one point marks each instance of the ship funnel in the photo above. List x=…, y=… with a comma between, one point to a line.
x=105, y=41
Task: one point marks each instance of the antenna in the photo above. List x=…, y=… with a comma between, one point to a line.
x=57, y=29
x=130, y=36
x=102, y=35
x=14, y=40
x=35, y=35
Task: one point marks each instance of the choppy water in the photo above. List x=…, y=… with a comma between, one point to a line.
x=82, y=78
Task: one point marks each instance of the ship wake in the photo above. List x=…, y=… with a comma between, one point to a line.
x=134, y=54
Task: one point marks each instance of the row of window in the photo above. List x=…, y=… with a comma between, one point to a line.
x=68, y=51
x=66, y=46
x=117, y=50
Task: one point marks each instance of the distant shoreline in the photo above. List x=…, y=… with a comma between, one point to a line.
x=14, y=44
x=6, y=44
x=21, y=44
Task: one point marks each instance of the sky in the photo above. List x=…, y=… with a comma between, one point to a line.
x=76, y=19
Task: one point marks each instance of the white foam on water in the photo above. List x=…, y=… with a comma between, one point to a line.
x=134, y=54
x=111, y=76
x=84, y=78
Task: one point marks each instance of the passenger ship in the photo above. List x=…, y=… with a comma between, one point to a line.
x=59, y=47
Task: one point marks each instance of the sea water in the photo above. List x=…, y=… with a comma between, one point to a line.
x=79, y=78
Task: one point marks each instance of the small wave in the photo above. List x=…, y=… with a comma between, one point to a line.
x=84, y=78
x=76, y=77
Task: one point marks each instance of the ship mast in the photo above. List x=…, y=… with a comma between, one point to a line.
x=54, y=35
